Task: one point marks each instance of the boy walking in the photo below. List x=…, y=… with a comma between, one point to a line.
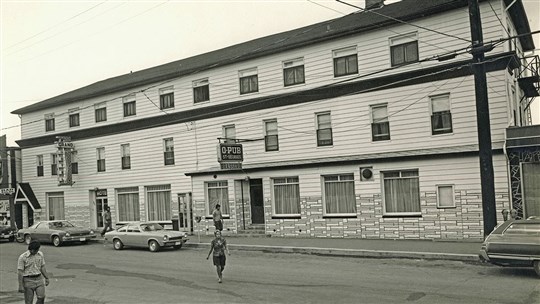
x=31, y=271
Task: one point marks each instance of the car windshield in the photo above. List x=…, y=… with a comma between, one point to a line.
x=63, y=224
x=151, y=227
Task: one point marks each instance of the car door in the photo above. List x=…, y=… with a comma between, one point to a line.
x=41, y=232
x=520, y=239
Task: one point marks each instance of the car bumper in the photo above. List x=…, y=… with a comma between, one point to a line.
x=174, y=243
x=79, y=238
x=6, y=236
x=483, y=256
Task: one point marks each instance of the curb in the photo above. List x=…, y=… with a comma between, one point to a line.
x=357, y=253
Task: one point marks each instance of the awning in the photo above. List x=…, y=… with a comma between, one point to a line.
x=25, y=194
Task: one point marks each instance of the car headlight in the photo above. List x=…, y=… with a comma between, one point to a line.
x=165, y=238
x=91, y=231
x=67, y=234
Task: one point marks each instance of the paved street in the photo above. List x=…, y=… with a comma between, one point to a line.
x=96, y=274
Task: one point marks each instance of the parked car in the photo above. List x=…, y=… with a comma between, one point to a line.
x=145, y=234
x=514, y=243
x=55, y=232
x=7, y=233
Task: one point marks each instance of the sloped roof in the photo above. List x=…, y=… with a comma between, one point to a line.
x=26, y=194
x=355, y=23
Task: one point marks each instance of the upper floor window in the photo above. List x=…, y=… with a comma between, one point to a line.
x=100, y=155
x=74, y=162
x=54, y=164
x=201, y=90
x=74, y=119
x=404, y=49
x=130, y=105
x=49, y=122
x=441, y=117
x=401, y=192
x=271, y=141
x=345, y=61
x=229, y=134
x=293, y=72
x=168, y=151
x=249, y=81
x=126, y=156
x=286, y=196
x=380, y=127
x=39, y=165
x=339, y=197
x=166, y=98
x=100, y=112
x=324, y=129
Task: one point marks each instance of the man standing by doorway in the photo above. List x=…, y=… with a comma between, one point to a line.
x=107, y=221
x=218, y=218
x=31, y=271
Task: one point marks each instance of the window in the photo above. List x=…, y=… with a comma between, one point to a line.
x=74, y=163
x=100, y=153
x=249, y=81
x=166, y=98
x=401, y=192
x=74, y=120
x=445, y=196
x=441, y=118
x=217, y=193
x=380, y=127
x=100, y=112
x=229, y=134
x=286, y=196
x=404, y=49
x=129, y=105
x=39, y=165
x=55, y=205
x=126, y=156
x=168, y=151
x=54, y=164
x=345, y=61
x=158, y=201
x=271, y=141
x=201, y=90
x=324, y=130
x=293, y=72
x=128, y=204
x=49, y=122
x=339, y=197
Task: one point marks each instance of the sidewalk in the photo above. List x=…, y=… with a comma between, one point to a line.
x=351, y=247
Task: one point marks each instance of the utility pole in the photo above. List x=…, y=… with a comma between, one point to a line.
x=482, y=119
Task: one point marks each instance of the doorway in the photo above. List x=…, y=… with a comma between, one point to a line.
x=531, y=192
x=101, y=204
x=256, y=200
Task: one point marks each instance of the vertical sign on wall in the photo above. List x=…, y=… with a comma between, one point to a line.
x=64, y=148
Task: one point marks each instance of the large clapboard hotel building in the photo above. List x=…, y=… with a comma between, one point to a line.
x=353, y=127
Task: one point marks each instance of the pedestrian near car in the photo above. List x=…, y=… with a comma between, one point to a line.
x=31, y=272
x=218, y=247
x=107, y=221
x=218, y=218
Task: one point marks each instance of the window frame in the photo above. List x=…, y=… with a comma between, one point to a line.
x=129, y=105
x=267, y=136
x=345, y=54
x=274, y=197
x=100, y=112
x=54, y=164
x=445, y=129
x=225, y=207
x=166, y=98
x=58, y=194
x=201, y=90
x=453, y=203
x=39, y=165
x=125, y=160
x=248, y=75
x=401, y=42
x=101, y=165
x=320, y=142
x=74, y=162
x=168, y=206
x=384, y=198
x=72, y=121
x=224, y=132
x=168, y=151
x=128, y=191
x=294, y=66
x=375, y=125
x=340, y=179
x=49, y=122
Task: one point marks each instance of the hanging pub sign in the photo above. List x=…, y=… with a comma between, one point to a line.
x=230, y=156
x=63, y=157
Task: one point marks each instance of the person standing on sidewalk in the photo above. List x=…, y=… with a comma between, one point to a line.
x=107, y=221
x=218, y=218
x=31, y=271
x=219, y=246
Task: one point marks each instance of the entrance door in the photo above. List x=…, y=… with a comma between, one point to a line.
x=257, y=201
x=531, y=191
x=101, y=203
x=185, y=212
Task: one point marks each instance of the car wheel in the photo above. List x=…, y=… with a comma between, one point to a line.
x=536, y=265
x=117, y=244
x=153, y=246
x=177, y=246
x=12, y=239
x=27, y=239
x=56, y=241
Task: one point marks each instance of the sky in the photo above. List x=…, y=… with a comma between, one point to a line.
x=52, y=47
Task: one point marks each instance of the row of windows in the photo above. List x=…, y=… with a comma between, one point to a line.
x=403, y=50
